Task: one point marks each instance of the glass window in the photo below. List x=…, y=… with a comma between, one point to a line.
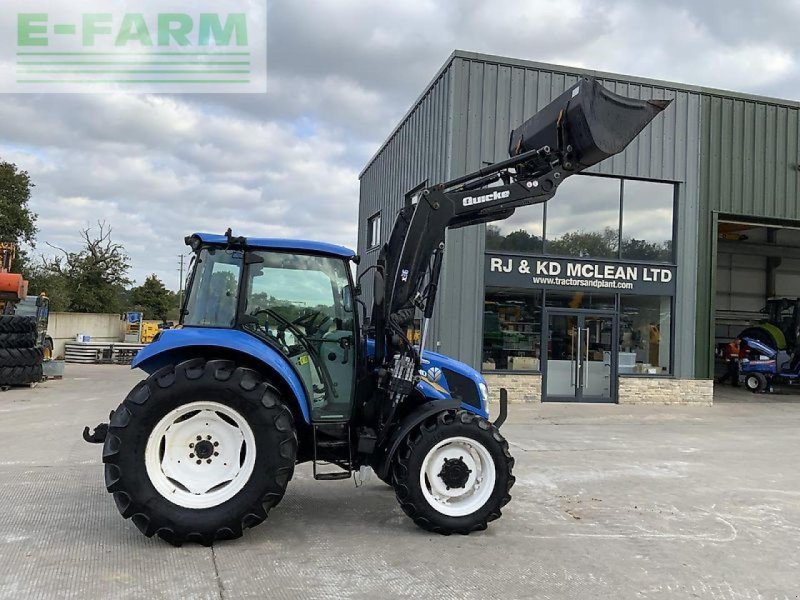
x=374, y=231
x=512, y=330
x=580, y=300
x=302, y=304
x=521, y=232
x=647, y=214
x=645, y=335
x=214, y=289
x=583, y=218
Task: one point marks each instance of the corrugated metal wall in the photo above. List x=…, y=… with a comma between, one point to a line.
x=492, y=96
x=417, y=149
x=749, y=156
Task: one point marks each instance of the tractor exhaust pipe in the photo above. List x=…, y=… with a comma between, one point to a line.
x=586, y=124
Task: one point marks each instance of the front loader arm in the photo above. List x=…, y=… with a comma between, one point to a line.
x=438, y=210
x=583, y=126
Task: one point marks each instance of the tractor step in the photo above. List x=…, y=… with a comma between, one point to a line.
x=333, y=476
x=332, y=448
x=332, y=443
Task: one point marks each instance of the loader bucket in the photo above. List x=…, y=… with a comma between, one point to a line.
x=595, y=122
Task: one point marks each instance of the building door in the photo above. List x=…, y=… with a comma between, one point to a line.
x=579, y=363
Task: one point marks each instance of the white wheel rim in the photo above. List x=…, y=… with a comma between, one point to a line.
x=752, y=383
x=458, y=501
x=185, y=436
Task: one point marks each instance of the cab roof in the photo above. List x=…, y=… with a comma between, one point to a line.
x=282, y=244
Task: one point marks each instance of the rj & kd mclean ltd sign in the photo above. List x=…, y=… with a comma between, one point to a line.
x=502, y=270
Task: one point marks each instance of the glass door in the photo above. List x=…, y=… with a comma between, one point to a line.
x=578, y=358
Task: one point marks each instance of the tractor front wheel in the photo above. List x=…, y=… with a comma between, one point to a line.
x=453, y=473
x=199, y=451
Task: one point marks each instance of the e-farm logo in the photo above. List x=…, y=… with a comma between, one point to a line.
x=150, y=46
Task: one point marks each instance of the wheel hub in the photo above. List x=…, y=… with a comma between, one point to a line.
x=455, y=473
x=457, y=476
x=200, y=455
x=204, y=449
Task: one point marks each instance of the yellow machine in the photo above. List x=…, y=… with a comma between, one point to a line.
x=149, y=331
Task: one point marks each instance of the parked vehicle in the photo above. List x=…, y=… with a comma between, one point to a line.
x=764, y=366
x=273, y=366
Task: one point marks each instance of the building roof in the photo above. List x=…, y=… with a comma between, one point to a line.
x=577, y=71
x=283, y=244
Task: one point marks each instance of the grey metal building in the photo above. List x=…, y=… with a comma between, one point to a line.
x=637, y=269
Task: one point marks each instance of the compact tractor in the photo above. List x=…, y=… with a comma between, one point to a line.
x=273, y=366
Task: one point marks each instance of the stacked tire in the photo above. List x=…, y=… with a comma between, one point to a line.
x=20, y=359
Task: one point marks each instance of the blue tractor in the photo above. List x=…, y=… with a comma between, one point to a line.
x=273, y=364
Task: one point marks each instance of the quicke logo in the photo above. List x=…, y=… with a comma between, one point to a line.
x=472, y=200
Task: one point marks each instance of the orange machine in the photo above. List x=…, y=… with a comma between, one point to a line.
x=13, y=287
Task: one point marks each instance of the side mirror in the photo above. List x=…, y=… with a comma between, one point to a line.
x=347, y=298
x=378, y=288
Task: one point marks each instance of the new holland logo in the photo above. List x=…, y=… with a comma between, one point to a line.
x=434, y=374
x=471, y=200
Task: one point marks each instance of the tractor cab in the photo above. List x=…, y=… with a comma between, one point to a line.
x=294, y=296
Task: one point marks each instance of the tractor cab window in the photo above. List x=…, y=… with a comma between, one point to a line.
x=301, y=304
x=214, y=289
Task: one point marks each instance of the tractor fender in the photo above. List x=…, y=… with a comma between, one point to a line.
x=414, y=418
x=175, y=344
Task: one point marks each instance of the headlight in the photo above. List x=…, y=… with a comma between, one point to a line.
x=484, y=393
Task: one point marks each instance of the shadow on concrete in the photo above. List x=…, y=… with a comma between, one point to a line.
x=730, y=394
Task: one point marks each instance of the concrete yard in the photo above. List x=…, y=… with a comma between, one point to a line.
x=610, y=502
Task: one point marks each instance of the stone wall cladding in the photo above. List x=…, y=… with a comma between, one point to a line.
x=656, y=390
x=632, y=390
x=521, y=388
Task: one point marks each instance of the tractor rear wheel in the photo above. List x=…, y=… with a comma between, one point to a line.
x=16, y=324
x=199, y=451
x=18, y=340
x=20, y=375
x=20, y=357
x=453, y=473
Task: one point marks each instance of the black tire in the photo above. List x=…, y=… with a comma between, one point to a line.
x=132, y=422
x=14, y=324
x=755, y=382
x=18, y=340
x=420, y=441
x=20, y=357
x=20, y=375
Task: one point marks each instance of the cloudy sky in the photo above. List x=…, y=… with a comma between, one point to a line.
x=341, y=74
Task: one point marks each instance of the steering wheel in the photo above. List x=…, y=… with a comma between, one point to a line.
x=287, y=324
x=301, y=337
x=307, y=321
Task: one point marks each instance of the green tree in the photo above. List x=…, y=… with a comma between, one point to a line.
x=153, y=299
x=600, y=244
x=519, y=240
x=17, y=220
x=56, y=287
x=644, y=250
x=95, y=277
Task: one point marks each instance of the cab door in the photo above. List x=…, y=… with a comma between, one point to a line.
x=298, y=303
